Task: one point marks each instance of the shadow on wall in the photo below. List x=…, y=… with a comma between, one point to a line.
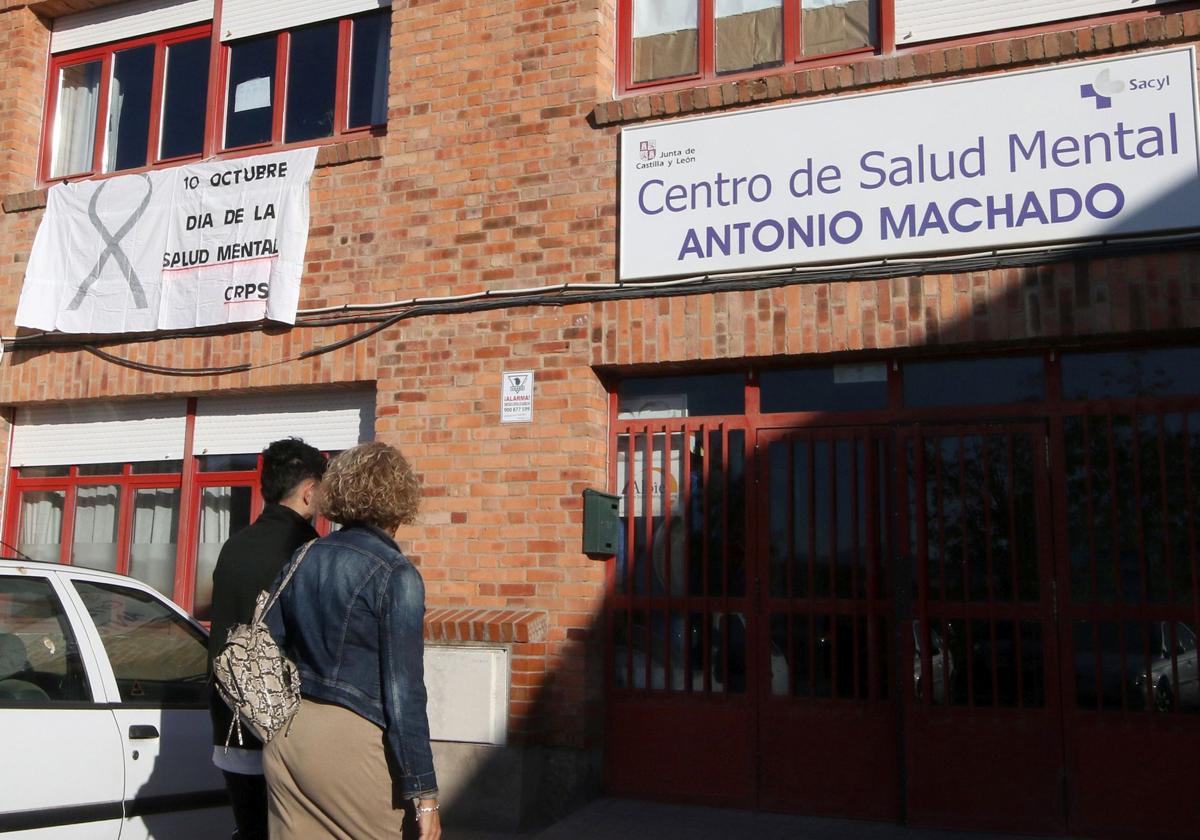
x=1074, y=293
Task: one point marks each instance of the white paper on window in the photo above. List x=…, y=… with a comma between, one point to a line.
x=252, y=94
x=728, y=8
x=656, y=17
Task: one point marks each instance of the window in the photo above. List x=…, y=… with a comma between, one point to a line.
x=109, y=115
x=295, y=86
x=102, y=516
x=677, y=40
x=852, y=387
x=155, y=99
x=163, y=515
x=39, y=659
x=988, y=381
x=157, y=657
x=1162, y=372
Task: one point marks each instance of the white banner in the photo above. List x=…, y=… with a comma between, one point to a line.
x=190, y=246
x=1067, y=153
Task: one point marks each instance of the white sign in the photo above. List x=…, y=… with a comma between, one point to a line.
x=516, y=397
x=1074, y=152
x=189, y=246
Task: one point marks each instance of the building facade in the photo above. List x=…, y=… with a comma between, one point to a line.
x=906, y=530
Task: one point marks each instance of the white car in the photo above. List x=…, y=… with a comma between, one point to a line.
x=103, y=711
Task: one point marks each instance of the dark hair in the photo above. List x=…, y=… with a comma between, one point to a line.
x=286, y=463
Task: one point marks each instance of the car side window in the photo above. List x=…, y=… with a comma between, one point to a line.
x=158, y=658
x=39, y=658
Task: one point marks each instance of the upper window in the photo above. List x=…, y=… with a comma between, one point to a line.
x=155, y=99
x=311, y=82
x=677, y=40
x=110, y=112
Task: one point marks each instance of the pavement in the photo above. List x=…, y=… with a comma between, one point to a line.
x=618, y=819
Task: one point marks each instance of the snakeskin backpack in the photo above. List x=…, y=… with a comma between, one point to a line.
x=253, y=677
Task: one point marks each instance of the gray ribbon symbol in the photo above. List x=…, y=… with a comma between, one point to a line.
x=112, y=243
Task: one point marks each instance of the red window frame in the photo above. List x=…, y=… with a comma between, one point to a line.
x=214, y=127
x=706, y=22
x=104, y=54
x=190, y=481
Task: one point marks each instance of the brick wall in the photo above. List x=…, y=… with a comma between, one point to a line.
x=499, y=171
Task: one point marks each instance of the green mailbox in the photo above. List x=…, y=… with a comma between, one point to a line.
x=601, y=522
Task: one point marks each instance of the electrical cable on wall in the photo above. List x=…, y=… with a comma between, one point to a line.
x=382, y=316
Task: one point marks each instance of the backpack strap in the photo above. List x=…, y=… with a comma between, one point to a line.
x=287, y=578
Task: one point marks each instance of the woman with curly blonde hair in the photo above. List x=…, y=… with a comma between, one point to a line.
x=357, y=757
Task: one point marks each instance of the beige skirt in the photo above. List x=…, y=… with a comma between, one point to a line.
x=329, y=778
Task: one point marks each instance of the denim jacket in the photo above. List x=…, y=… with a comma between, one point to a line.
x=352, y=619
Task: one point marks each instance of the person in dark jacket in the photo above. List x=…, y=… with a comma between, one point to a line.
x=357, y=758
x=248, y=564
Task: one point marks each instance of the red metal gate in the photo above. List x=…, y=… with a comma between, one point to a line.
x=1131, y=606
x=988, y=625
x=983, y=719
x=681, y=704
x=827, y=727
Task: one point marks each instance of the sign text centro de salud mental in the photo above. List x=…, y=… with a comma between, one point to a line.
x=1068, y=153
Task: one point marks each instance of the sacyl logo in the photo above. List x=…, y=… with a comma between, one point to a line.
x=1102, y=90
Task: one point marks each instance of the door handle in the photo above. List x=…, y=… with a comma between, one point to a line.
x=142, y=732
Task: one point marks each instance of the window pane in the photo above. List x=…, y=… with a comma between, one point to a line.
x=39, y=536
x=749, y=34
x=44, y=472
x=155, y=524
x=157, y=657
x=975, y=381
x=681, y=396
x=223, y=511
x=129, y=108
x=39, y=660
x=369, y=69
x=94, y=539
x=249, y=100
x=312, y=81
x=1141, y=373
x=833, y=26
x=157, y=467
x=101, y=469
x=75, y=119
x=223, y=463
x=185, y=99
x=836, y=388
x=665, y=39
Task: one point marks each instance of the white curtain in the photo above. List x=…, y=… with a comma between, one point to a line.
x=94, y=541
x=152, y=553
x=41, y=525
x=75, y=120
x=116, y=100
x=215, y=506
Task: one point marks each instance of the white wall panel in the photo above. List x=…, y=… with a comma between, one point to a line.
x=927, y=20
x=125, y=20
x=329, y=420
x=468, y=693
x=99, y=433
x=243, y=18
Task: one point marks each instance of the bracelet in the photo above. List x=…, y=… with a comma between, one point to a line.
x=429, y=809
